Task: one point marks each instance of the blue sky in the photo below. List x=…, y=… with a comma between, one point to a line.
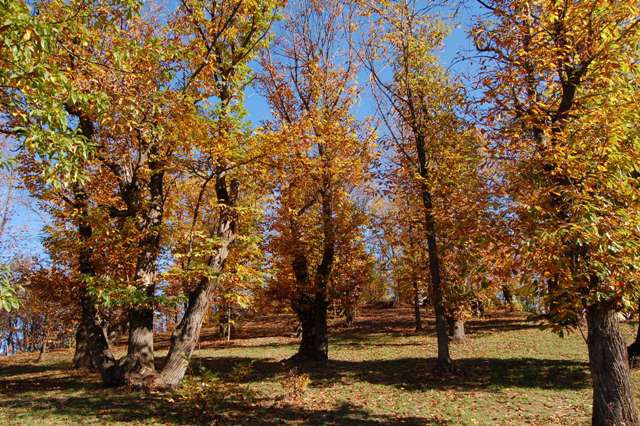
x=28, y=224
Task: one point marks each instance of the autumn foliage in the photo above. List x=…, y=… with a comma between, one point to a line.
x=375, y=173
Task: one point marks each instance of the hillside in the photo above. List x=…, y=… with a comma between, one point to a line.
x=510, y=373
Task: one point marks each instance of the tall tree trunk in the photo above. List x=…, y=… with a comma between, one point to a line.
x=612, y=396
x=186, y=335
x=92, y=350
x=443, y=363
x=90, y=328
x=100, y=355
x=312, y=309
x=416, y=305
x=139, y=362
x=312, y=314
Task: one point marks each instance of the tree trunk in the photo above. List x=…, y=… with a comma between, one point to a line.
x=92, y=346
x=416, y=306
x=312, y=309
x=186, y=335
x=82, y=356
x=95, y=341
x=43, y=349
x=92, y=338
x=139, y=362
x=443, y=363
x=612, y=396
x=312, y=313
x=457, y=332
x=508, y=297
x=349, y=314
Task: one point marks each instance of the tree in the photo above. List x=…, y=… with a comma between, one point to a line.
x=40, y=96
x=560, y=79
x=34, y=90
x=309, y=80
x=403, y=232
x=353, y=264
x=222, y=38
x=169, y=112
x=435, y=150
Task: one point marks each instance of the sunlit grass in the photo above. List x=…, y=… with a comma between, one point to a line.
x=508, y=373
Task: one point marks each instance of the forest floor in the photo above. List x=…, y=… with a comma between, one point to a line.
x=380, y=372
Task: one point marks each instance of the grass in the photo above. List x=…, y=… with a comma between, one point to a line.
x=510, y=373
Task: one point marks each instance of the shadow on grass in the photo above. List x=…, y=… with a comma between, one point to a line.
x=234, y=413
x=406, y=327
x=56, y=383
x=494, y=325
x=80, y=399
x=29, y=368
x=416, y=373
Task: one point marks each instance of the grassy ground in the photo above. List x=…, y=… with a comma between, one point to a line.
x=380, y=373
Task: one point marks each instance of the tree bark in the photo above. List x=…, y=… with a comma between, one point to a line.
x=508, y=297
x=186, y=335
x=91, y=328
x=82, y=357
x=92, y=346
x=416, y=306
x=457, y=333
x=139, y=362
x=443, y=363
x=612, y=396
x=312, y=313
x=312, y=308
